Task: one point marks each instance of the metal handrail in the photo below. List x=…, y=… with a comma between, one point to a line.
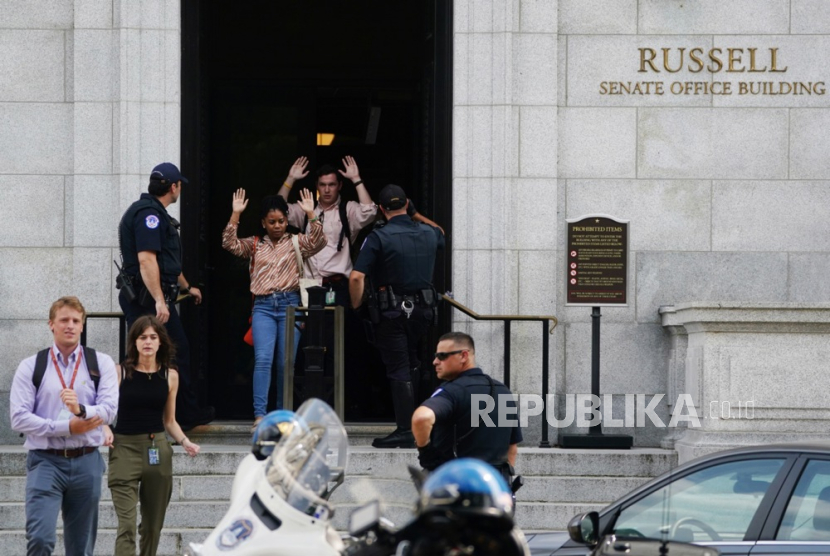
x=547, y=330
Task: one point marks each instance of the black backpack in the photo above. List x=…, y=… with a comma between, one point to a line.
x=42, y=360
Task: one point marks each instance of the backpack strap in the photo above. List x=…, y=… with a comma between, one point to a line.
x=344, y=224
x=91, y=357
x=42, y=360
x=40, y=367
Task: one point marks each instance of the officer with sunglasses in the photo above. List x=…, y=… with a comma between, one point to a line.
x=442, y=425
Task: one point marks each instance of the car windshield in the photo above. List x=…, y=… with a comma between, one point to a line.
x=713, y=504
x=308, y=461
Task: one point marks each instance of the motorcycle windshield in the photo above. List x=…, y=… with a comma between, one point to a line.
x=309, y=459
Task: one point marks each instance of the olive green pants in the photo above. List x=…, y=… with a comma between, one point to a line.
x=132, y=480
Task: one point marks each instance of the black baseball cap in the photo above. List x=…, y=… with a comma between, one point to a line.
x=392, y=197
x=169, y=172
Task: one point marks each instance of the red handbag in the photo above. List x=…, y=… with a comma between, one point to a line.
x=248, y=338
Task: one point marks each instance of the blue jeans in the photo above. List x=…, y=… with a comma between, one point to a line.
x=268, y=326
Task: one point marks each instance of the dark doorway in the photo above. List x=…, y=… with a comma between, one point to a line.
x=260, y=81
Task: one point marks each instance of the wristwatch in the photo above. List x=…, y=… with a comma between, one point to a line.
x=82, y=412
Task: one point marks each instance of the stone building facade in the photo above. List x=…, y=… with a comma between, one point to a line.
x=727, y=194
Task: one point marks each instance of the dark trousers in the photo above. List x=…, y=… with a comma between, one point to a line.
x=187, y=406
x=71, y=485
x=397, y=337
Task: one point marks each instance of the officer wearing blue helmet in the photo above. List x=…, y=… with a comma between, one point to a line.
x=466, y=505
x=269, y=431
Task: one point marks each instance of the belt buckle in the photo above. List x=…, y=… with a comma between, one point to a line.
x=66, y=453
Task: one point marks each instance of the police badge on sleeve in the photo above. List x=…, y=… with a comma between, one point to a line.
x=152, y=221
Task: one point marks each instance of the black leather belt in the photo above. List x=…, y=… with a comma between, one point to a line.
x=70, y=452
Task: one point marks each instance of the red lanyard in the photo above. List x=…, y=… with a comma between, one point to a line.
x=60, y=374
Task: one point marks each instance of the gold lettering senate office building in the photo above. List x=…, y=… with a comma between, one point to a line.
x=703, y=124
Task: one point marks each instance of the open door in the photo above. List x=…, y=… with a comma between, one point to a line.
x=260, y=81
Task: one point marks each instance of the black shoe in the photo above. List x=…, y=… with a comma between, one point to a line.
x=398, y=439
x=203, y=417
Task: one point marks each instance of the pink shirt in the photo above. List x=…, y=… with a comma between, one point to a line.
x=329, y=261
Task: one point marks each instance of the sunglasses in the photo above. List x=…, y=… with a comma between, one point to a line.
x=443, y=355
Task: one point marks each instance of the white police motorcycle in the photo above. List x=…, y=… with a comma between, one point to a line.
x=279, y=505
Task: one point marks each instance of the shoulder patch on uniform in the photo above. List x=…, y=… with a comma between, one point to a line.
x=152, y=221
x=436, y=392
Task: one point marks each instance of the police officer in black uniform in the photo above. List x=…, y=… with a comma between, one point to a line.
x=151, y=252
x=398, y=259
x=442, y=424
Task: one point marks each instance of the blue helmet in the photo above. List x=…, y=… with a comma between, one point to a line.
x=269, y=431
x=465, y=504
x=467, y=487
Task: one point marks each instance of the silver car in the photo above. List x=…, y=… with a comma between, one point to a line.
x=760, y=500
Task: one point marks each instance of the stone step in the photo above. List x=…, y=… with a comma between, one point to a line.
x=172, y=541
x=550, y=516
x=238, y=433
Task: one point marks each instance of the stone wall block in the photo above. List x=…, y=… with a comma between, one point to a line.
x=31, y=66
x=25, y=195
x=534, y=207
x=537, y=275
x=479, y=207
x=36, y=14
x=153, y=75
x=633, y=358
x=806, y=76
x=93, y=137
x=21, y=339
x=485, y=141
x=808, y=281
x=172, y=141
x=93, y=14
x=597, y=142
x=152, y=138
x=810, y=17
x=535, y=73
x=29, y=147
x=704, y=143
x=670, y=215
x=481, y=70
x=461, y=214
x=152, y=14
x=483, y=16
x=129, y=64
x=809, y=144
x=461, y=69
x=127, y=14
x=172, y=66
x=668, y=278
x=720, y=17
x=753, y=216
x=538, y=141
x=59, y=271
x=92, y=204
x=538, y=16
x=95, y=68
x=130, y=187
x=597, y=17
x=596, y=60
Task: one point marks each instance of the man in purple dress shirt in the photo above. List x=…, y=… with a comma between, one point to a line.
x=62, y=421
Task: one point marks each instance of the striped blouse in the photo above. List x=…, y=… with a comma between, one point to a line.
x=275, y=265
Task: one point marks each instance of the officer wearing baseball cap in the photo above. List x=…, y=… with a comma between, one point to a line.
x=151, y=253
x=398, y=260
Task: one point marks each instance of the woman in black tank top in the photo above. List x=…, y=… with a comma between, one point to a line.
x=140, y=457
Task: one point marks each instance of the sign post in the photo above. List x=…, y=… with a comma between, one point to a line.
x=597, y=275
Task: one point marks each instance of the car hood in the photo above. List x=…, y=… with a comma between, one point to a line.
x=545, y=543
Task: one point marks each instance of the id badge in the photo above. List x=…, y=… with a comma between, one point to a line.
x=153, y=456
x=64, y=415
x=330, y=297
